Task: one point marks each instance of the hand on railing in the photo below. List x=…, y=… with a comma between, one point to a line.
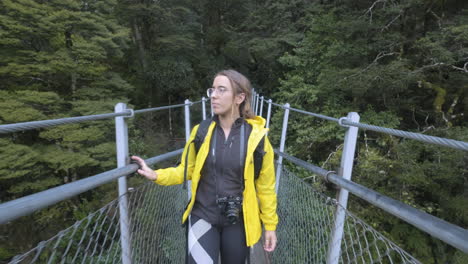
x=144, y=169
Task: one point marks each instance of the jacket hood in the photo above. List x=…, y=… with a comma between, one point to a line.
x=257, y=121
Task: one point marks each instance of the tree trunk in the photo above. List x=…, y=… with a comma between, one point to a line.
x=73, y=84
x=143, y=61
x=139, y=43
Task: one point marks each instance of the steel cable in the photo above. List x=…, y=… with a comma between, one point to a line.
x=165, y=107
x=158, y=108
x=307, y=112
x=26, y=205
x=451, y=143
x=10, y=128
x=447, y=232
x=461, y=145
x=4, y=129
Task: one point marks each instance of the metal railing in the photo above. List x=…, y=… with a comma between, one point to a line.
x=346, y=122
x=307, y=220
x=436, y=227
x=154, y=225
x=333, y=235
x=306, y=227
x=449, y=233
x=26, y=205
x=10, y=128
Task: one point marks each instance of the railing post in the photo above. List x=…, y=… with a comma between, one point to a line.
x=187, y=137
x=282, y=143
x=268, y=113
x=204, y=107
x=211, y=109
x=346, y=169
x=121, y=138
x=256, y=104
x=187, y=119
x=261, y=105
x=252, y=101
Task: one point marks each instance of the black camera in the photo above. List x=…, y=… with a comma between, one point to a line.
x=231, y=207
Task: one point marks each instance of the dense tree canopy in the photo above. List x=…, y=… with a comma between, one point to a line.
x=399, y=64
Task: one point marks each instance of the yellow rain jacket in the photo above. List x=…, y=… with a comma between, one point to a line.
x=259, y=205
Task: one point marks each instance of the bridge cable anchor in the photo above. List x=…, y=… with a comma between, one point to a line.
x=340, y=121
x=131, y=112
x=328, y=174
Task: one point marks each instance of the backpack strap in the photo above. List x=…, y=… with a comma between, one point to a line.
x=201, y=133
x=184, y=185
x=198, y=141
x=258, y=157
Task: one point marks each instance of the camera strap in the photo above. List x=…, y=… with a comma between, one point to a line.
x=242, y=154
x=213, y=158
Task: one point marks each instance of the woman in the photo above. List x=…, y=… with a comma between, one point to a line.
x=229, y=204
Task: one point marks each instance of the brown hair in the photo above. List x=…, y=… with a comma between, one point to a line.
x=240, y=84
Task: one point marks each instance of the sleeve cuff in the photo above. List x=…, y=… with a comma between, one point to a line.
x=159, y=179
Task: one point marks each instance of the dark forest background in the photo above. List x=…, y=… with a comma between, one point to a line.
x=400, y=64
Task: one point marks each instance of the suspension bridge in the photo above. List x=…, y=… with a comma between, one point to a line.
x=142, y=225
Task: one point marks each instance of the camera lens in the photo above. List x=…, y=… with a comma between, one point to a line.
x=232, y=213
x=231, y=207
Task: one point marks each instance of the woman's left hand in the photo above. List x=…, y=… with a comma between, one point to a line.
x=270, y=241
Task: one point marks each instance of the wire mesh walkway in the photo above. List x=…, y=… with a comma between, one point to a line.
x=157, y=235
x=306, y=219
x=153, y=233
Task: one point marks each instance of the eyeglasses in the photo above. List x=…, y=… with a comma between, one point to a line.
x=220, y=90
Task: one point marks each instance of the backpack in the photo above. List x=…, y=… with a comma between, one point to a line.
x=258, y=153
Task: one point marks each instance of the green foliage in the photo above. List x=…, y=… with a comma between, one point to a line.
x=58, y=59
x=5, y=253
x=162, y=63
x=399, y=65
x=17, y=160
x=25, y=106
x=55, y=45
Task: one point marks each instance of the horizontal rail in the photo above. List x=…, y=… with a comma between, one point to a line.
x=4, y=129
x=197, y=102
x=158, y=108
x=451, y=143
x=165, y=107
x=308, y=113
x=10, y=128
x=26, y=205
x=436, y=227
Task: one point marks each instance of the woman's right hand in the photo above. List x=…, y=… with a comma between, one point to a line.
x=144, y=169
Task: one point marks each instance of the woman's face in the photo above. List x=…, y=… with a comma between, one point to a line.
x=223, y=100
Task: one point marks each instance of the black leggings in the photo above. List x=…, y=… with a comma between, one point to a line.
x=206, y=242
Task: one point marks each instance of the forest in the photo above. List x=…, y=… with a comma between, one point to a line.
x=399, y=64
